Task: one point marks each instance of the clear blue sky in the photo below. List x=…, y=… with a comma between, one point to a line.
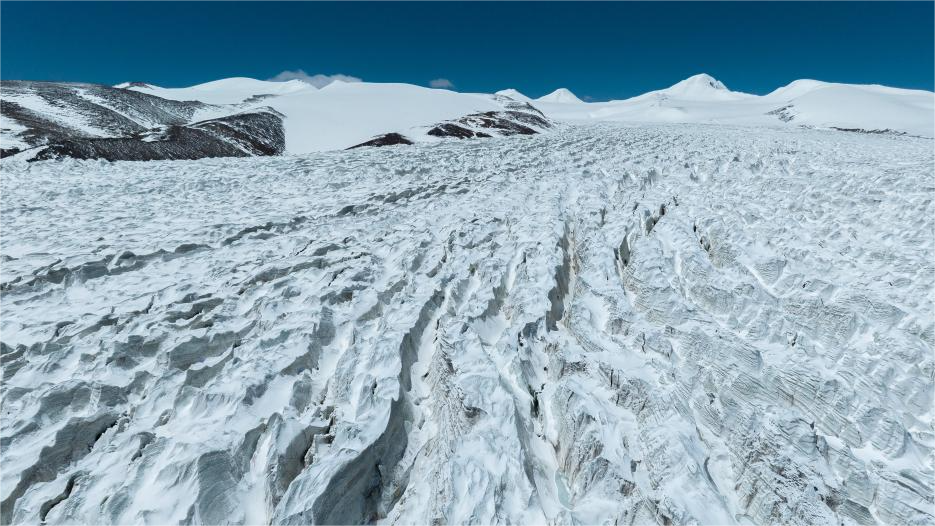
x=598, y=50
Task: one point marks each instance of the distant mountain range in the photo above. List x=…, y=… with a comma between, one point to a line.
x=247, y=117
x=810, y=103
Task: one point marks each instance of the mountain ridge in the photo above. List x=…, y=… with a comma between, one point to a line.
x=341, y=115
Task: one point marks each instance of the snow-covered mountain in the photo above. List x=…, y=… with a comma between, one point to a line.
x=513, y=94
x=341, y=114
x=703, y=99
x=561, y=95
x=134, y=121
x=106, y=121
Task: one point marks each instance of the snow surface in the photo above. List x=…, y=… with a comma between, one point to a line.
x=10, y=133
x=604, y=324
x=227, y=91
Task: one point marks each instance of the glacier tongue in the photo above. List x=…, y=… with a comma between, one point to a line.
x=605, y=324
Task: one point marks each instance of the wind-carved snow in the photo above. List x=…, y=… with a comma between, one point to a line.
x=604, y=324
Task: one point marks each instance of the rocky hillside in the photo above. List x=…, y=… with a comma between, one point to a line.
x=237, y=118
x=46, y=120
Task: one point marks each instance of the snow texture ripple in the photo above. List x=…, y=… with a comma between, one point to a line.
x=600, y=325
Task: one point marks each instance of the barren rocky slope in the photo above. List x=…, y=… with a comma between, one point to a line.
x=53, y=120
x=604, y=324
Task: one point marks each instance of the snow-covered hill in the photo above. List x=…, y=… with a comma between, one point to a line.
x=345, y=114
x=561, y=96
x=513, y=94
x=700, y=87
x=703, y=99
x=40, y=117
x=224, y=91
x=341, y=114
x=604, y=324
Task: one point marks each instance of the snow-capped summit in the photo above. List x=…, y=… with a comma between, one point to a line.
x=513, y=94
x=560, y=95
x=701, y=80
x=700, y=87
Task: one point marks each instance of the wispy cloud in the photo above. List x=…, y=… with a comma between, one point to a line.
x=441, y=83
x=318, y=80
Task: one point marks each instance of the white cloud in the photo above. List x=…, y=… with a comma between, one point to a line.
x=441, y=83
x=317, y=80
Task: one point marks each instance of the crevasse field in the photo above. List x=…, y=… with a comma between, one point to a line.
x=607, y=324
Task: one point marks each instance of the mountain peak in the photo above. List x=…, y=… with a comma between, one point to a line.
x=701, y=87
x=560, y=95
x=513, y=94
x=701, y=80
x=125, y=85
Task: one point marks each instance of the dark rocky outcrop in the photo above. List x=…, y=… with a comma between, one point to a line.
x=241, y=135
x=110, y=111
x=93, y=121
x=518, y=119
x=490, y=123
x=450, y=129
x=388, y=139
x=884, y=131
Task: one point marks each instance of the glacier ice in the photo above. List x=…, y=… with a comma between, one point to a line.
x=603, y=324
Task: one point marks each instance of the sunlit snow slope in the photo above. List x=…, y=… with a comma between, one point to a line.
x=603, y=324
x=341, y=114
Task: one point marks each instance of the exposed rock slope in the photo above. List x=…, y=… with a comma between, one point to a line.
x=241, y=135
x=91, y=121
x=516, y=118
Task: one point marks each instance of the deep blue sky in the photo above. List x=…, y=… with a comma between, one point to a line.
x=598, y=50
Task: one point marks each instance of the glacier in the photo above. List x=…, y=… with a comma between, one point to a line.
x=609, y=323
